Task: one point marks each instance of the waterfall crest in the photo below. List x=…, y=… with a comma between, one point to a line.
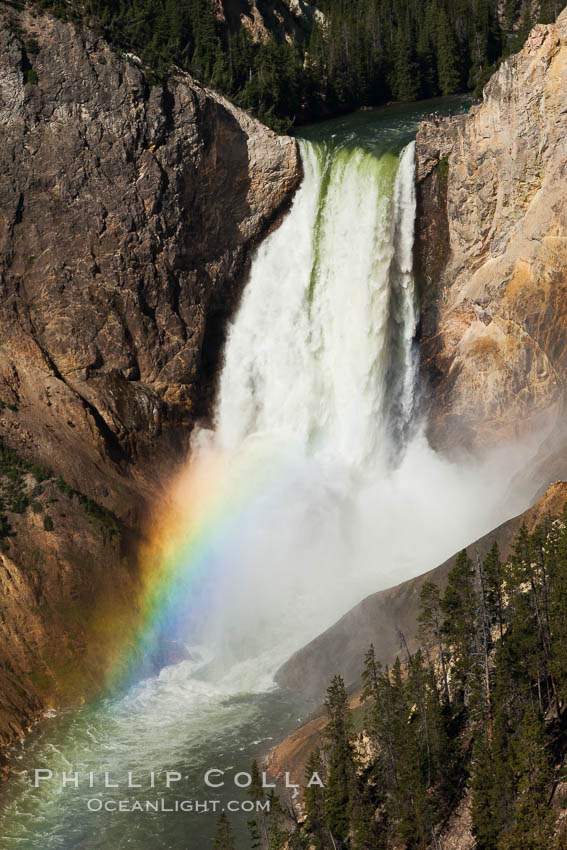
x=321, y=351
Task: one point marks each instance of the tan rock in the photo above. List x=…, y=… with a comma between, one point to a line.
x=289, y=20
x=492, y=251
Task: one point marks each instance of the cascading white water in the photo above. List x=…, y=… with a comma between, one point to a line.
x=404, y=313
x=321, y=352
x=319, y=372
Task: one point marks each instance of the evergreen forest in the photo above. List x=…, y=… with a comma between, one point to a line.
x=358, y=53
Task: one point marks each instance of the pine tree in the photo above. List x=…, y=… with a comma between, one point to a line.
x=447, y=57
x=341, y=761
x=314, y=800
x=371, y=675
x=205, y=39
x=223, y=837
x=257, y=826
x=494, y=573
x=365, y=832
x=426, y=56
x=405, y=80
x=299, y=841
x=417, y=763
x=558, y=606
x=431, y=628
x=531, y=827
x=530, y=568
x=277, y=834
x=458, y=606
x=485, y=816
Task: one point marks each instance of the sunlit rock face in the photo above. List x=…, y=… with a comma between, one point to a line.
x=492, y=251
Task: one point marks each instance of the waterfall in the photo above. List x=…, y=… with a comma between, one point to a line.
x=322, y=349
x=318, y=395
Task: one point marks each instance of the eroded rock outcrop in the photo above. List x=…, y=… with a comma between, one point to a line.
x=128, y=213
x=492, y=251
x=66, y=591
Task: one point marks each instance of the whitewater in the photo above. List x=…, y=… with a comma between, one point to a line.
x=319, y=401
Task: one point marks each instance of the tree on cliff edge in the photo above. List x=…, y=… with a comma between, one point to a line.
x=314, y=800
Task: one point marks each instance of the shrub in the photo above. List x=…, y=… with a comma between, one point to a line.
x=4, y=526
x=40, y=473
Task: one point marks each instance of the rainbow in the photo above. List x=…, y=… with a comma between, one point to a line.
x=211, y=501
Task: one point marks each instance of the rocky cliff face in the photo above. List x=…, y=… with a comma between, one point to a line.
x=66, y=594
x=491, y=252
x=290, y=20
x=127, y=217
x=128, y=213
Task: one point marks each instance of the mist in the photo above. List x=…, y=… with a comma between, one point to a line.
x=318, y=536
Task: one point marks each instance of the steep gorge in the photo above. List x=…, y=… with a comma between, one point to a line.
x=128, y=216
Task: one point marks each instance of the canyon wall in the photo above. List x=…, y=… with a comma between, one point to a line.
x=491, y=252
x=128, y=214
